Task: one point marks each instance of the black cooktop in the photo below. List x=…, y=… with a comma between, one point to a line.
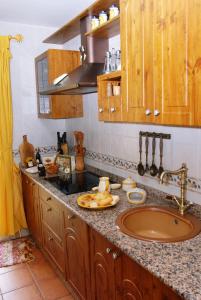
x=75, y=182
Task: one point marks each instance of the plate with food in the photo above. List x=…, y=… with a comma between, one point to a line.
x=97, y=201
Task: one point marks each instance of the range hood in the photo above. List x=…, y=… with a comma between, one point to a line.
x=83, y=80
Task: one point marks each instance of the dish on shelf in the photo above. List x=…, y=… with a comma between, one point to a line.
x=97, y=201
x=32, y=170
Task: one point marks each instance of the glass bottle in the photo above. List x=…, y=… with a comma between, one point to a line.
x=118, y=60
x=107, y=65
x=38, y=157
x=113, y=60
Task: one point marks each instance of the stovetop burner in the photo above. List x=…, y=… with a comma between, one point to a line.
x=75, y=182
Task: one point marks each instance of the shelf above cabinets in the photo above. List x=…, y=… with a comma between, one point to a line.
x=72, y=28
x=107, y=30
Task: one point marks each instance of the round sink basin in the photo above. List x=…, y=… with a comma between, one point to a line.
x=154, y=223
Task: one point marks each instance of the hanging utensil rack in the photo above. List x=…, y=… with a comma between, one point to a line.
x=165, y=136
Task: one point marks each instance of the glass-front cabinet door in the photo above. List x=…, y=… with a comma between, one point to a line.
x=44, y=104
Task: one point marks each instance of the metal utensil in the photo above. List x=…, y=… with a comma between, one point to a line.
x=153, y=168
x=140, y=166
x=160, y=170
x=146, y=151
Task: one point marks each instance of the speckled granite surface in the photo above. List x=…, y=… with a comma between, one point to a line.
x=177, y=264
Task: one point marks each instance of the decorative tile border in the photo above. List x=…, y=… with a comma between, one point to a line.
x=193, y=184
x=43, y=150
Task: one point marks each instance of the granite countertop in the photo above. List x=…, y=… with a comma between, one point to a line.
x=176, y=264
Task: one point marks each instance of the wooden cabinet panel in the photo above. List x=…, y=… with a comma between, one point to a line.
x=52, y=217
x=158, y=85
x=162, y=292
x=77, y=255
x=109, y=103
x=194, y=58
x=32, y=207
x=53, y=248
x=137, y=61
x=175, y=103
x=50, y=65
x=102, y=268
x=135, y=282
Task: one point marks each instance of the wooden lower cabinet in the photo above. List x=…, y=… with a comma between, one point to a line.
x=163, y=292
x=92, y=266
x=77, y=254
x=102, y=268
x=134, y=282
x=115, y=276
x=53, y=248
x=52, y=228
x=32, y=207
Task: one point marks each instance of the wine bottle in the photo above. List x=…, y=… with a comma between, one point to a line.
x=38, y=157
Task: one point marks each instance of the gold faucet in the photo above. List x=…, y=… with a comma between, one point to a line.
x=182, y=172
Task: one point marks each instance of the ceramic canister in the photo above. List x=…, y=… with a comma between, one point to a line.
x=104, y=184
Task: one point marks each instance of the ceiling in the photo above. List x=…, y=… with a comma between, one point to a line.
x=41, y=12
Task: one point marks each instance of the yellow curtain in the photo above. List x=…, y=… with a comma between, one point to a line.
x=12, y=217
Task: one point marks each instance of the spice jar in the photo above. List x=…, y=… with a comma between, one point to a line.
x=102, y=17
x=113, y=11
x=94, y=23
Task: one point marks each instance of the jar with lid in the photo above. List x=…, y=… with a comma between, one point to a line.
x=102, y=17
x=113, y=11
x=94, y=22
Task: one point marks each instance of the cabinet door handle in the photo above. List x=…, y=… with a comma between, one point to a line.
x=49, y=209
x=156, y=112
x=115, y=255
x=112, y=109
x=70, y=217
x=48, y=199
x=100, y=110
x=33, y=184
x=108, y=250
x=50, y=238
x=27, y=182
x=147, y=112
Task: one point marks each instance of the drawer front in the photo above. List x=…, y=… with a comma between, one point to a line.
x=53, y=248
x=52, y=217
x=76, y=224
x=48, y=198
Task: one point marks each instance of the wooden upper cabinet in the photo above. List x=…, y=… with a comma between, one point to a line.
x=173, y=102
x=137, y=63
x=109, y=97
x=156, y=43
x=50, y=65
x=194, y=62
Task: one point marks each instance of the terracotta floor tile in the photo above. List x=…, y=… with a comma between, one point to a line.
x=26, y=293
x=38, y=255
x=11, y=268
x=52, y=289
x=41, y=270
x=15, y=280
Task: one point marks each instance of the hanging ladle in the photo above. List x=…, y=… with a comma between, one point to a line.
x=146, y=152
x=153, y=168
x=140, y=166
x=160, y=170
